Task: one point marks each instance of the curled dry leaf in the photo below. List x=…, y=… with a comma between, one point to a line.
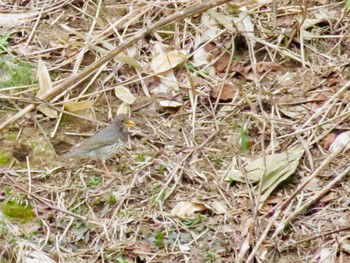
x=308, y=24
x=261, y=67
x=328, y=140
x=228, y=92
x=226, y=21
x=123, y=108
x=9, y=20
x=222, y=63
x=128, y=60
x=210, y=29
x=187, y=209
x=219, y=208
x=124, y=94
x=170, y=103
x=341, y=142
x=45, y=85
x=197, y=81
x=264, y=66
x=245, y=25
x=166, y=61
x=167, y=83
x=78, y=105
x=212, y=48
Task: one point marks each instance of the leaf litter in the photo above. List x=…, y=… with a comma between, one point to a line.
x=278, y=73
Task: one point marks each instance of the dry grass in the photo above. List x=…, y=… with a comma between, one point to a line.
x=287, y=84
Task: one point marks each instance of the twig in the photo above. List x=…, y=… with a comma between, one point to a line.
x=347, y=228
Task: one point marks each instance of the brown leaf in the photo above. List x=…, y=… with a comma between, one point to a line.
x=197, y=81
x=228, y=92
x=328, y=140
x=210, y=47
x=238, y=67
x=222, y=63
x=264, y=66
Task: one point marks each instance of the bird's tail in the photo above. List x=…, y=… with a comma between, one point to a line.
x=74, y=154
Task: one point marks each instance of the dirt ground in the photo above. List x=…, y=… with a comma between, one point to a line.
x=239, y=149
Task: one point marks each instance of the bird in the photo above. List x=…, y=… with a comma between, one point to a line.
x=106, y=142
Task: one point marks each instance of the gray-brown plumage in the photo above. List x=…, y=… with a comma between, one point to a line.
x=106, y=142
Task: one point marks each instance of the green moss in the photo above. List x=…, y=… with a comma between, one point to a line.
x=4, y=40
x=14, y=209
x=16, y=74
x=3, y=230
x=5, y=157
x=112, y=199
x=11, y=136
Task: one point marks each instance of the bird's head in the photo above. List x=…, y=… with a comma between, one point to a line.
x=122, y=121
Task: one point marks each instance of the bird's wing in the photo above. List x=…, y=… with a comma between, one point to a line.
x=104, y=137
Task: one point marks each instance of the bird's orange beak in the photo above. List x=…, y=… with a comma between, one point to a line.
x=129, y=123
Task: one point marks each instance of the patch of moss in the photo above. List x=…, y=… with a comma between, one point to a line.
x=4, y=40
x=5, y=157
x=16, y=74
x=14, y=209
x=11, y=136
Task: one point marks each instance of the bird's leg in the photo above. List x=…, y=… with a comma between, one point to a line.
x=106, y=168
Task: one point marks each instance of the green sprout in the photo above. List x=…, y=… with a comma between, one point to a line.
x=94, y=181
x=141, y=157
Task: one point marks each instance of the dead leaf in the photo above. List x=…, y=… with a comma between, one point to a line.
x=36, y=257
x=219, y=208
x=238, y=67
x=328, y=140
x=74, y=106
x=278, y=167
x=222, y=63
x=45, y=85
x=225, y=20
x=124, y=94
x=264, y=66
x=8, y=20
x=128, y=60
x=342, y=141
x=197, y=81
x=261, y=67
x=166, y=61
x=211, y=47
x=245, y=25
x=228, y=92
x=187, y=209
x=167, y=83
x=211, y=28
x=123, y=108
x=170, y=103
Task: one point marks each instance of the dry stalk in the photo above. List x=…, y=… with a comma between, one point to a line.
x=323, y=235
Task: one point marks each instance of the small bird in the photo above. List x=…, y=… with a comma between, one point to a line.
x=106, y=142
